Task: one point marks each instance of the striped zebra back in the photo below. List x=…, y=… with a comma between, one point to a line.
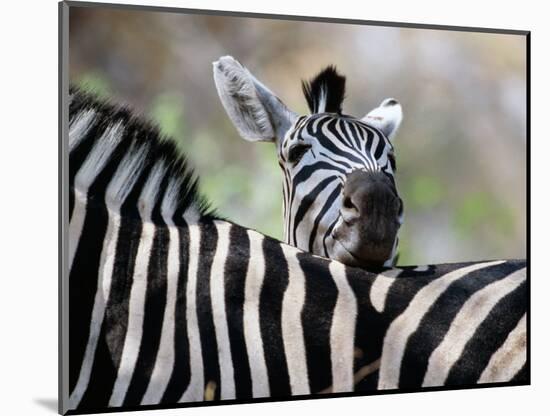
x=171, y=305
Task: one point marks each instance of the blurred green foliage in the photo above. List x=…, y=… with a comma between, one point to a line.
x=167, y=112
x=479, y=209
x=95, y=82
x=424, y=192
x=472, y=212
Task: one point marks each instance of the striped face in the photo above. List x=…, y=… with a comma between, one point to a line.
x=340, y=198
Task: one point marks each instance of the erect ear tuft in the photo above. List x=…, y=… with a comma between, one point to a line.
x=325, y=92
x=387, y=117
x=255, y=111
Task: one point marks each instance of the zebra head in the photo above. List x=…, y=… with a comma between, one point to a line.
x=340, y=196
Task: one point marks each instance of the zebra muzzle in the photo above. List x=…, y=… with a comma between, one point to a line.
x=370, y=212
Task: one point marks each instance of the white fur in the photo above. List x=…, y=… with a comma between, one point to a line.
x=79, y=126
x=386, y=117
x=251, y=316
x=304, y=228
x=98, y=157
x=92, y=166
x=421, y=268
x=464, y=325
x=342, y=331
x=381, y=286
x=195, y=388
x=76, y=224
x=217, y=298
x=192, y=214
x=322, y=104
x=136, y=313
x=170, y=200
x=509, y=358
x=164, y=362
x=148, y=197
x=132, y=340
x=291, y=322
x=405, y=324
x=125, y=177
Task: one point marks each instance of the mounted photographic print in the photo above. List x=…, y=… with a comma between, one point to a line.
x=268, y=208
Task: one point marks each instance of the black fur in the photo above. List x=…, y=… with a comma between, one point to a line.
x=275, y=284
x=334, y=86
x=138, y=130
x=436, y=323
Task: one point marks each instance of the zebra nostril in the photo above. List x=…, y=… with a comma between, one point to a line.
x=349, y=211
x=348, y=204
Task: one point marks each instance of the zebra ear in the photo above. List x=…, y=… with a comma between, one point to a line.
x=387, y=117
x=257, y=113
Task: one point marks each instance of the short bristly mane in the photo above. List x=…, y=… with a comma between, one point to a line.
x=137, y=169
x=325, y=92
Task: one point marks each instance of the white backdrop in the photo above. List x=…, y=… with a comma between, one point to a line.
x=28, y=220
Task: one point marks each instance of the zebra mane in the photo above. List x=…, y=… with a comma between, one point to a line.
x=136, y=168
x=325, y=92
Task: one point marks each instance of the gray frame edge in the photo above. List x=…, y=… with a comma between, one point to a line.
x=228, y=13
x=63, y=229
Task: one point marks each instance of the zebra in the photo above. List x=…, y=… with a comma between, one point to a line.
x=172, y=305
x=340, y=198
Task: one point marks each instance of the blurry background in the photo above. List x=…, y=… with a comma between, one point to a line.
x=461, y=150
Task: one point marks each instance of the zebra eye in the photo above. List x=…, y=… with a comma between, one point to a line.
x=297, y=151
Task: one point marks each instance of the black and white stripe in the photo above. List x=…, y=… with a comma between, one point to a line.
x=312, y=188
x=168, y=303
